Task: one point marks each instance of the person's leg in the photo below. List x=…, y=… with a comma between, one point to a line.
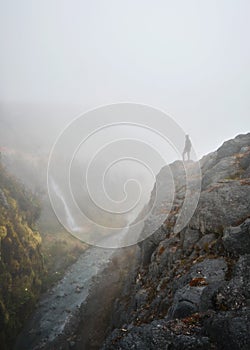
x=188, y=154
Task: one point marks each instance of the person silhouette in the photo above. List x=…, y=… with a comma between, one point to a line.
x=187, y=148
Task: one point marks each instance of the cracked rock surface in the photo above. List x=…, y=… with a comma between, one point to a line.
x=191, y=290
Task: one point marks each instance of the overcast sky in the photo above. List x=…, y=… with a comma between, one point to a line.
x=188, y=58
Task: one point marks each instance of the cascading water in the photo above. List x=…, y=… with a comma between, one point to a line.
x=69, y=217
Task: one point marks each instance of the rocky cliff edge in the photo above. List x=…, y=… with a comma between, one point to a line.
x=191, y=290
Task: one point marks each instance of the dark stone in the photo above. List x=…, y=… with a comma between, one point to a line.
x=170, y=253
x=208, y=295
x=182, y=309
x=226, y=168
x=186, y=302
x=230, y=330
x=149, y=245
x=242, y=273
x=154, y=336
x=233, y=146
x=224, y=205
x=140, y=298
x=230, y=296
x=246, y=174
x=208, y=161
x=213, y=270
x=204, y=242
x=236, y=240
x=245, y=161
x=206, y=303
x=184, y=342
x=189, y=238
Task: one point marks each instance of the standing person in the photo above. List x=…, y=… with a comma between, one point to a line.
x=187, y=148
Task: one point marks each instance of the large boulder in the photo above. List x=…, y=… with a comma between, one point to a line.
x=230, y=330
x=210, y=270
x=233, y=146
x=236, y=240
x=190, y=288
x=223, y=205
x=186, y=302
x=155, y=335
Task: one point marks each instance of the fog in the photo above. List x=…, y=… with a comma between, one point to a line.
x=60, y=59
x=190, y=59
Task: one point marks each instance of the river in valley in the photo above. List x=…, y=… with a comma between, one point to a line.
x=59, y=305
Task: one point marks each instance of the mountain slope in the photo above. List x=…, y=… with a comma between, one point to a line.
x=21, y=264
x=191, y=290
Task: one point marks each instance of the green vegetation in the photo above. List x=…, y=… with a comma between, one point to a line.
x=60, y=250
x=35, y=251
x=21, y=262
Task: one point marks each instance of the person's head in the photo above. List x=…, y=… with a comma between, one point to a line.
x=187, y=136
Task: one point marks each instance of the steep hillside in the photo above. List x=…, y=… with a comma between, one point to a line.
x=21, y=263
x=191, y=290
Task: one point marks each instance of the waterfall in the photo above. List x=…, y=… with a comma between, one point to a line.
x=71, y=224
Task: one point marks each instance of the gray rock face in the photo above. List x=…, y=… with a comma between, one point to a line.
x=189, y=237
x=226, y=168
x=207, y=300
x=205, y=241
x=236, y=240
x=192, y=289
x=225, y=204
x=230, y=330
x=242, y=273
x=211, y=270
x=232, y=147
x=155, y=336
x=150, y=244
x=186, y=302
x=235, y=294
